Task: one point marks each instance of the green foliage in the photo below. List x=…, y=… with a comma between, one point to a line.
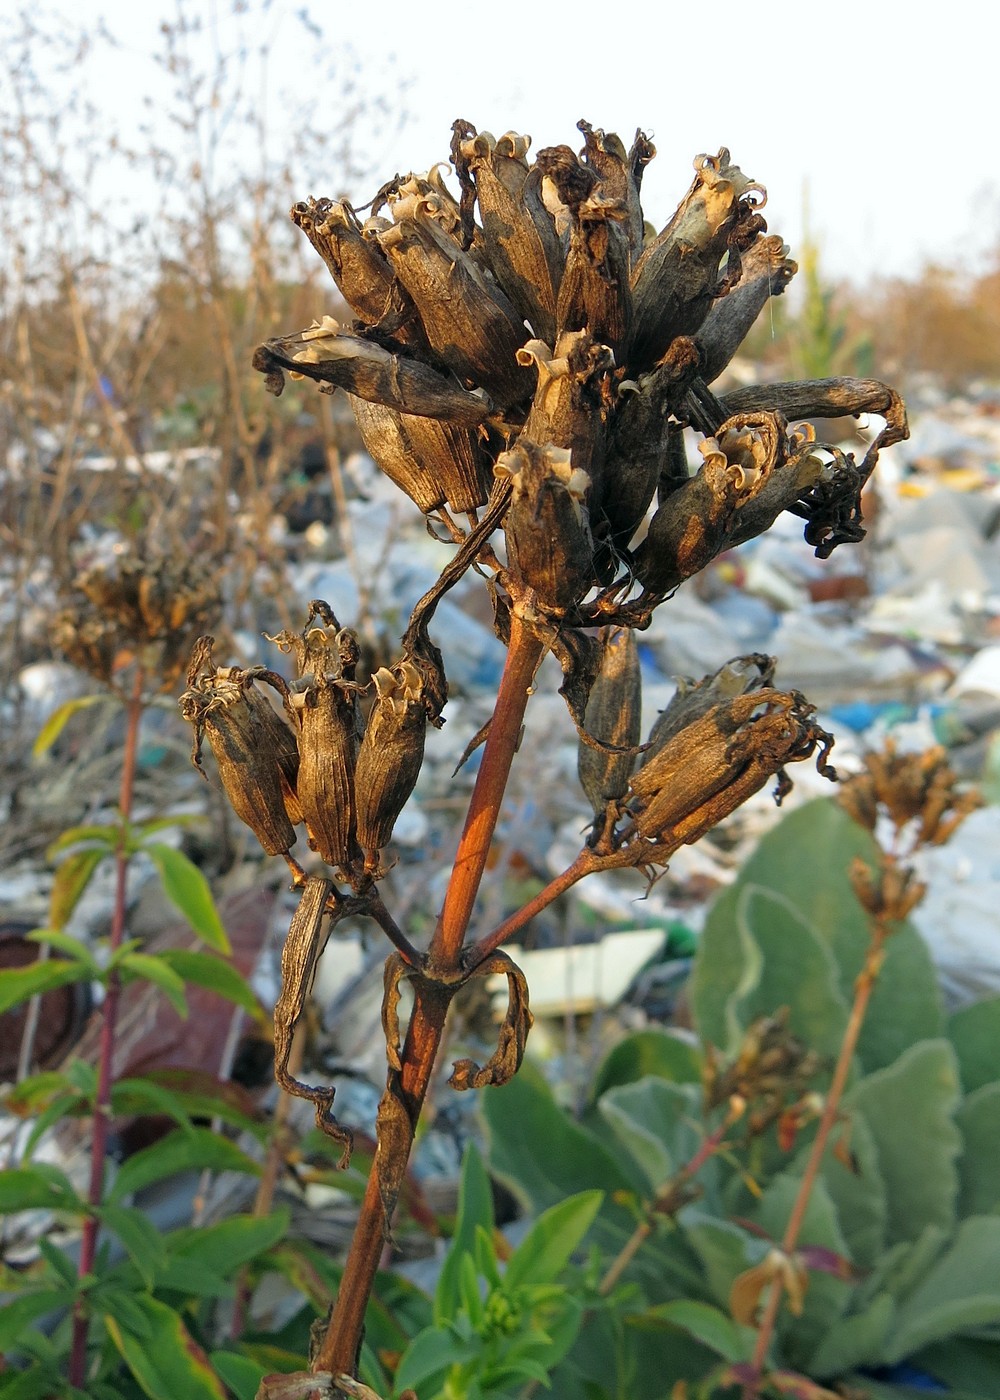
x=902, y=1228
x=496, y=1330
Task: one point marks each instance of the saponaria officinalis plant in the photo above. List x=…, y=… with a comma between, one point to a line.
x=527, y=356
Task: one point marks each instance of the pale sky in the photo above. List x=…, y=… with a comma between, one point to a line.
x=886, y=112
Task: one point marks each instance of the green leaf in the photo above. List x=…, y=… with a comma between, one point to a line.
x=169, y=1362
x=978, y=1120
x=38, y=1383
x=706, y=1324
x=150, y=967
x=199, y=1149
x=524, y=1113
x=649, y=1052
x=66, y=943
x=967, y=1363
x=18, y=984
x=974, y=1031
x=856, y=1340
x=805, y=858
x=71, y=879
x=241, y=1373
x=56, y=722
x=961, y=1291
x=38, y=1187
x=17, y=1314
x=469, y=1292
x=186, y=887
x=552, y=1241
x=163, y=1091
x=143, y=1242
x=475, y=1208
x=657, y=1123
x=909, y=1109
x=430, y=1355
x=723, y=1249
x=796, y=969
x=229, y=1244
x=154, y=824
x=107, y=837
x=60, y=1264
x=207, y=970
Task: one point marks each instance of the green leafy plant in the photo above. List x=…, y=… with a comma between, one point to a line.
x=895, y=1259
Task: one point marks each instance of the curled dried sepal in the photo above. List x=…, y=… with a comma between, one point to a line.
x=506, y=1059
x=254, y=749
x=708, y=768
x=614, y=718
x=390, y=756
x=572, y=397
x=677, y=278
x=620, y=173
x=305, y=942
x=547, y=527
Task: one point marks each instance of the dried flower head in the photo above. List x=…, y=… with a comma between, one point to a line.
x=136, y=609
x=919, y=791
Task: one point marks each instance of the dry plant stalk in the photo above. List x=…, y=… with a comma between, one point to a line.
x=527, y=354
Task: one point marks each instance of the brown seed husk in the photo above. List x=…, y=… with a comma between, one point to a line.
x=251, y=753
x=435, y=463
x=391, y=753
x=676, y=279
x=328, y=745
x=470, y=324
x=613, y=717
x=766, y=271
x=524, y=250
x=547, y=528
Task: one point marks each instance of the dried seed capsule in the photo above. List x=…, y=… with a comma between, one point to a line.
x=572, y=397
x=224, y=709
x=620, y=174
x=594, y=293
x=469, y=322
x=613, y=717
x=433, y=462
x=390, y=756
x=676, y=279
x=360, y=269
x=766, y=271
x=328, y=745
x=524, y=250
x=370, y=371
x=547, y=529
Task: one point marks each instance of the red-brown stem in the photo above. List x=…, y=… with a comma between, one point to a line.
x=339, y=1350
x=523, y=657
x=584, y=864
x=709, y=1146
x=862, y=993
x=109, y=1016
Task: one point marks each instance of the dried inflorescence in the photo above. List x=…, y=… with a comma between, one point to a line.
x=318, y=764
x=919, y=794
x=136, y=609
x=559, y=343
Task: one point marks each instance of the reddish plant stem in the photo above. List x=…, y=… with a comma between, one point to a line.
x=669, y=1191
x=109, y=1017
x=339, y=1350
x=584, y=864
x=863, y=988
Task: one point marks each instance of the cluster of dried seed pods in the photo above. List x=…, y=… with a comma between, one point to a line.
x=560, y=344
x=318, y=764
